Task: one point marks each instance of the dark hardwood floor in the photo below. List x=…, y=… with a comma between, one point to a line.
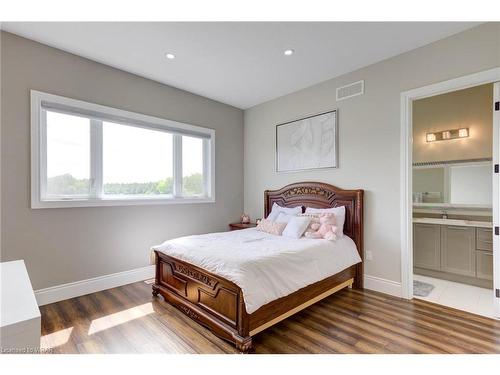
x=128, y=320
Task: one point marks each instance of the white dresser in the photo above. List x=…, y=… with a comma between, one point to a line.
x=20, y=316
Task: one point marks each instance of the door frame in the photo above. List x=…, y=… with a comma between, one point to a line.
x=496, y=201
x=406, y=202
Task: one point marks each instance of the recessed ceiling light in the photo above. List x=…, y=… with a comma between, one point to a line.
x=170, y=56
x=288, y=52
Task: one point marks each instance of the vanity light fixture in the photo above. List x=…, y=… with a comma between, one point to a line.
x=463, y=133
x=447, y=135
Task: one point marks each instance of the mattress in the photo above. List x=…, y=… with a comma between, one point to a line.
x=266, y=267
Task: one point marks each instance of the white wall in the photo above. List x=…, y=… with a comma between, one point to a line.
x=369, y=131
x=64, y=245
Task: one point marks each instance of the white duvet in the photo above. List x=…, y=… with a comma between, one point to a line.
x=266, y=267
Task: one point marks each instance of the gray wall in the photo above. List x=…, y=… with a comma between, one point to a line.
x=70, y=244
x=369, y=127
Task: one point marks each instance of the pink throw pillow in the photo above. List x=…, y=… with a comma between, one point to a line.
x=271, y=227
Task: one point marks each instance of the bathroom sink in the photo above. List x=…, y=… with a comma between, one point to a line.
x=457, y=222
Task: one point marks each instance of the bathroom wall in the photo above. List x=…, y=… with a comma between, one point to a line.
x=470, y=108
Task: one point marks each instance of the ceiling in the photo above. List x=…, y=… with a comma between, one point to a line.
x=238, y=63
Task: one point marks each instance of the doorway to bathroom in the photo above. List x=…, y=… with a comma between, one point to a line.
x=450, y=147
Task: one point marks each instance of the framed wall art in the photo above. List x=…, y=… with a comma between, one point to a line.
x=307, y=143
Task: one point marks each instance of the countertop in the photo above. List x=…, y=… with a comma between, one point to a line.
x=457, y=222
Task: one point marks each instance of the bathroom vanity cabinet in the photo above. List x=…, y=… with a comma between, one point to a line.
x=453, y=252
x=484, y=253
x=427, y=246
x=458, y=250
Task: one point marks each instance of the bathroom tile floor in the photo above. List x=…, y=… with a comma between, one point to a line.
x=459, y=296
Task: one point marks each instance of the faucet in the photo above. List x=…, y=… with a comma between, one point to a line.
x=444, y=215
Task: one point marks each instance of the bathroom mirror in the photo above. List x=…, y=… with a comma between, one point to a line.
x=460, y=184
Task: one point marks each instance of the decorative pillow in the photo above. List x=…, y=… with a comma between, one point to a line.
x=283, y=218
x=313, y=223
x=312, y=216
x=271, y=227
x=296, y=226
x=275, y=211
x=339, y=216
x=327, y=228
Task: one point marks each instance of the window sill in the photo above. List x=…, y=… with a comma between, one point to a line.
x=116, y=202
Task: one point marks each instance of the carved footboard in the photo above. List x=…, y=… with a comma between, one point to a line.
x=210, y=300
x=218, y=303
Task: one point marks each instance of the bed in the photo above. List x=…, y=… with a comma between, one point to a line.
x=214, y=296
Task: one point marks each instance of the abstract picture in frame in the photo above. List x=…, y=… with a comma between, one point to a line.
x=307, y=143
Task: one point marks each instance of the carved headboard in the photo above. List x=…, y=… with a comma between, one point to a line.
x=321, y=195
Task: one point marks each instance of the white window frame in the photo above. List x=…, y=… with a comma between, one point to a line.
x=39, y=100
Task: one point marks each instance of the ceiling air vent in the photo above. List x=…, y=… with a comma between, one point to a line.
x=350, y=90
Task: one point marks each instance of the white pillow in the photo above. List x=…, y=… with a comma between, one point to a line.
x=296, y=226
x=277, y=209
x=339, y=216
x=283, y=218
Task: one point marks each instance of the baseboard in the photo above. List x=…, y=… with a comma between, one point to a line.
x=383, y=285
x=96, y=284
x=80, y=288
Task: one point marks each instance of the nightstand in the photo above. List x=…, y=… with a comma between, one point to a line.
x=238, y=226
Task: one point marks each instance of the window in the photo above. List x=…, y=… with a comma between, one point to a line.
x=68, y=155
x=85, y=154
x=137, y=162
x=192, y=166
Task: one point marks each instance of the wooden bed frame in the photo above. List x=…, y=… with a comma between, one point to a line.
x=218, y=303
